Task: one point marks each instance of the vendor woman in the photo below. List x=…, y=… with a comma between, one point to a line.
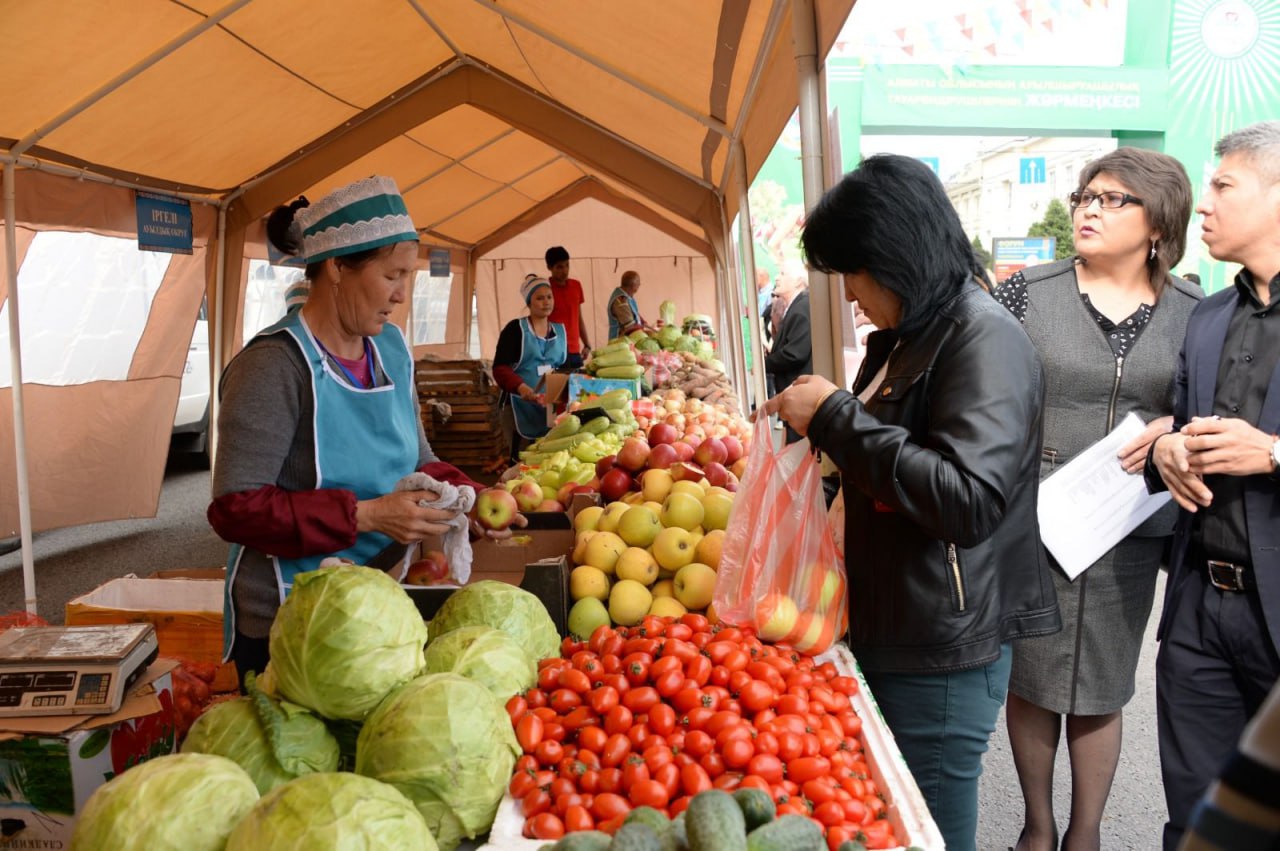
x=529, y=348
x=320, y=419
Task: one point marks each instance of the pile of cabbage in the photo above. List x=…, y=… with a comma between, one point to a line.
x=352, y=684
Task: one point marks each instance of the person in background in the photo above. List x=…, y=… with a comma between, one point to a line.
x=568, y=309
x=624, y=313
x=319, y=417
x=1108, y=324
x=1220, y=630
x=938, y=448
x=1192, y=277
x=764, y=293
x=528, y=348
x=791, y=354
x=1241, y=810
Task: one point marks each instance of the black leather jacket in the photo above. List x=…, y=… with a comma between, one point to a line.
x=941, y=473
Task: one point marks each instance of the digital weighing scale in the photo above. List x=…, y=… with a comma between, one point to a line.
x=72, y=670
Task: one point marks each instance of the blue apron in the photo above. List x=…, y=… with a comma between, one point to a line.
x=615, y=330
x=366, y=440
x=538, y=356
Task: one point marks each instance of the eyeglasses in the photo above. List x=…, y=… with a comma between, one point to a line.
x=1107, y=200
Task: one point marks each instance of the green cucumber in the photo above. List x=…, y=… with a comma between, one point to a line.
x=757, y=807
x=788, y=833
x=660, y=824
x=633, y=370
x=715, y=823
x=584, y=840
x=596, y=425
x=616, y=399
x=565, y=428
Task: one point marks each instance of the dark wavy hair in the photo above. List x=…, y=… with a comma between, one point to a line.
x=282, y=235
x=1162, y=184
x=891, y=218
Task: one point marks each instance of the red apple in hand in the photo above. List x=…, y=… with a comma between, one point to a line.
x=634, y=454
x=663, y=456
x=496, y=509
x=615, y=484
x=431, y=569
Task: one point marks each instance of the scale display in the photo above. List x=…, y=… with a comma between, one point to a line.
x=72, y=670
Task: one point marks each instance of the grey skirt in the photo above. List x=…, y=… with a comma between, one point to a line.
x=1088, y=668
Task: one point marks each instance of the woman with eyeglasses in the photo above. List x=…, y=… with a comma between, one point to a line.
x=1108, y=324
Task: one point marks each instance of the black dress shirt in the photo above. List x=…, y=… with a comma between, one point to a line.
x=1249, y=357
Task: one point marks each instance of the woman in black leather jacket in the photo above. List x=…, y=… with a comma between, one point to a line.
x=938, y=448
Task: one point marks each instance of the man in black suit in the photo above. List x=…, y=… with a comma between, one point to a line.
x=1220, y=629
x=792, y=354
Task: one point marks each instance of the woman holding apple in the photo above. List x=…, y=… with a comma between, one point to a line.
x=320, y=418
x=938, y=447
x=528, y=348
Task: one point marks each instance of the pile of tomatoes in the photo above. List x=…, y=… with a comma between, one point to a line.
x=654, y=714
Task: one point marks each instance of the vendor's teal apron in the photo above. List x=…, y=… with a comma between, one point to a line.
x=538, y=356
x=366, y=440
x=615, y=330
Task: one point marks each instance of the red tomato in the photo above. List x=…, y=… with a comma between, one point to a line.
x=635, y=667
x=698, y=669
x=720, y=720
x=728, y=781
x=698, y=623
x=609, y=806
x=522, y=783
x=548, y=752
x=553, y=730
x=619, y=720
x=713, y=764
x=592, y=738
x=589, y=782
x=839, y=835
x=560, y=788
x=544, y=826
x=656, y=756
x=719, y=676
x=662, y=719
x=879, y=834
x=756, y=695
x=679, y=631
x=610, y=780
x=602, y=699
x=548, y=678
x=767, y=767
x=634, y=770
x=516, y=707
x=697, y=718
x=669, y=776
x=669, y=683
x=665, y=665
x=577, y=818
x=766, y=742
x=579, y=717
x=819, y=791
x=753, y=781
x=615, y=750
x=534, y=802
x=687, y=699
x=650, y=793
x=855, y=812
x=641, y=699
x=527, y=762
x=806, y=768
x=529, y=732
x=698, y=744
x=788, y=704
x=737, y=753
x=574, y=680
x=694, y=779
x=536, y=698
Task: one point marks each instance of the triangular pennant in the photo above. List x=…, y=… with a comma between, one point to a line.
x=967, y=33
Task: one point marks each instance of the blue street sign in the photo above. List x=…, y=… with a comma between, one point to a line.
x=438, y=262
x=164, y=223
x=1031, y=170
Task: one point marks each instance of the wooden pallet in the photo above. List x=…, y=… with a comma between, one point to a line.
x=471, y=435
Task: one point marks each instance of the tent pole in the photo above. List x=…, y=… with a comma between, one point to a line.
x=215, y=332
x=733, y=310
x=804, y=27
x=747, y=239
x=15, y=369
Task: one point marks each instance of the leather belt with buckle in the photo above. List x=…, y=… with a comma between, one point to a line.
x=1226, y=576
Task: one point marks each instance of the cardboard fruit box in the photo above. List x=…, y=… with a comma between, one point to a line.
x=187, y=614
x=51, y=764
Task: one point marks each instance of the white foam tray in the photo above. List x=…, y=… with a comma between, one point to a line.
x=907, y=810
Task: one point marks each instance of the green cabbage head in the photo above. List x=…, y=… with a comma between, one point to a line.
x=344, y=638
x=489, y=656
x=181, y=802
x=502, y=606
x=273, y=741
x=446, y=743
x=328, y=812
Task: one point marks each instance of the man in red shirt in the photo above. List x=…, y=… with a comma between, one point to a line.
x=568, y=309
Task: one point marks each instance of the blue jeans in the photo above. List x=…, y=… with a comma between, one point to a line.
x=942, y=723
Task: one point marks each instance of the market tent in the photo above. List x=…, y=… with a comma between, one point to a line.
x=482, y=111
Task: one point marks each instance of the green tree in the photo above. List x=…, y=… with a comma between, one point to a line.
x=983, y=255
x=1056, y=223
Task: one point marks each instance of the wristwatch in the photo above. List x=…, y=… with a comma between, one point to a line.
x=1275, y=454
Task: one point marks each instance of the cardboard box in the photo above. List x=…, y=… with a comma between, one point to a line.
x=586, y=389
x=50, y=765
x=547, y=580
x=187, y=614
x=553, y=386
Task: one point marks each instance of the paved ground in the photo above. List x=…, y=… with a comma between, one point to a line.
x=70, y=562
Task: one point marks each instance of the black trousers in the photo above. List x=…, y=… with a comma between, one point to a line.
x=1215, y=668
x=249, y=654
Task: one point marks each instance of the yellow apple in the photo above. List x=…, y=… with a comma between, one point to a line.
x=683, y=510
x=656, y=485
x=611, y=517
x=655, y=507
x=685, y=486
x=638, y=564
x=673, y=548
x=715, y=510
x=663, y=588
x=580, y=546
x=588, y=581
x=603, y=551
x=709, y=548
x=586, y=615
x=633, y=498
x=776, y=616
x=695, y=584
x=667, y=607
x=639, y=526
x=629, y=602
x=587, y=518
x=811, y=629
x=832, y=585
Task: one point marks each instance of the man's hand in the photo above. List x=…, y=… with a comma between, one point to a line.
x=1133, y=455
x=1229, y=447
x=1172, y=461
x=798, y=403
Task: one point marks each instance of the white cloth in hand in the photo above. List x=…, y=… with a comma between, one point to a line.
x=459, y=498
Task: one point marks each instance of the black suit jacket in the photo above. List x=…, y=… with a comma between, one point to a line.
x=792, y=354
x=1194, y=385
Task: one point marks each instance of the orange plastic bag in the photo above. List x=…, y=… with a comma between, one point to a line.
x=780, y=571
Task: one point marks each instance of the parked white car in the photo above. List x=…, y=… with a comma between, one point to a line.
x=191, y=420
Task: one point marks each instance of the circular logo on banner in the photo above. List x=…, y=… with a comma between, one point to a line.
x=1230, y=28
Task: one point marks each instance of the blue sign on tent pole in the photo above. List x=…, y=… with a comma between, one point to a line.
x=438, y=262
x=164, y=223
x=1031, y=170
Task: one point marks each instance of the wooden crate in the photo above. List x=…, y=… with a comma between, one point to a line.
x=470, y=434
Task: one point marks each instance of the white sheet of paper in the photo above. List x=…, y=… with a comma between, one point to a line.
x=1091, y=504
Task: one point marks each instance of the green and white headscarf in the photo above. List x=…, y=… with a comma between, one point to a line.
x=366, y=214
